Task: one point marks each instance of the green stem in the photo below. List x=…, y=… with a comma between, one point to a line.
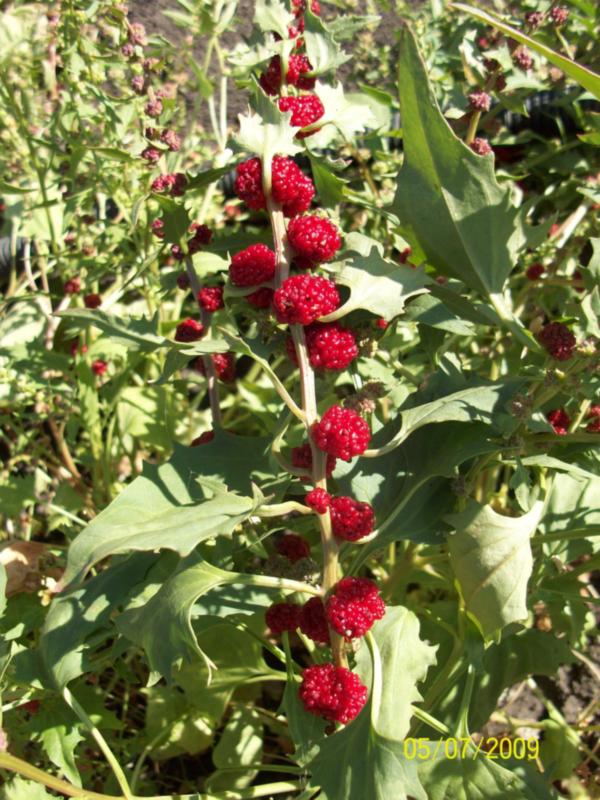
x=100, y=741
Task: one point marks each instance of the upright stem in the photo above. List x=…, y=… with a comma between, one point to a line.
x=309, y=406
x=209, y=367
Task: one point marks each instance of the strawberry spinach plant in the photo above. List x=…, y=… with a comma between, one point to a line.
x=299, y=409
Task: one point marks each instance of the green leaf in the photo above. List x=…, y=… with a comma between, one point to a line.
x=176, y=220
x=207, y=176
x=572, y=503
x=360, y=761
x=58, y=731
x=268, y=132
x=240, y=745
x=164, y=508
x=484, y=403
x=272, y=15
x=20, y=789
x=330, y=188
x=405, y=660
x=408, y=502
x=344, y=115
x=306, y=729
x=491, y=558
x=323, y=51
x=481, y=777
x=344, y=26
x=136, y=334
x=428, y=310
x=9, y=188
x=582, y=75
x=477, y=232
x=376, y=285
x=163, y=626
x=357, y=763
x=66, y=638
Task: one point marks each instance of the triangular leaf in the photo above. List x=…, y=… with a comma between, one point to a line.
x=491, y=558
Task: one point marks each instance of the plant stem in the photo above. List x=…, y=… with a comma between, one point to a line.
x=100, y=741
x=309, y=407
x=209, y=367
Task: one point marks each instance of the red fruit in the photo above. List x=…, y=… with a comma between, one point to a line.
x=174, y=183
x=306, y=110
x=224, y=364
x=153, y=108
x=534, y=19
x=99, y=367
x=72, y=286
x=136, y=33
x=255, y=264
x=299, y=7
x=332, y=692
x=282, y=617
x=138, y=84
x=535, y=272
x=211, y=298
x=302, y=458
x=318, y=500
x=261, y=298
x=351, y=520
x=92, y=300
x=480, y=100
x=204, y=438
x=558, y=340
x=353, y=607
x=190, y=330
x=156, y=227
x=76, y=349
x=382, y=323
x=405, y=255
x=302, y=299
x=177, y=252
x=290, y=187
x=560, y=421
x=559, y=15
x=481, y=146
x=522, y=58
x=594, y=415
x=202, y=233
x=183, y=282
x=32, y=707
x=341, y=432
x=313, y=622
x=293, y=547
x=171, y=139
x=298, y=66
x=151, y=155
x=314, y=238
x=330, y=346
x=578, y=280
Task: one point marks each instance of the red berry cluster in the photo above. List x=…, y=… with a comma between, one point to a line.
x=298, y=69
x=290, y=187
x=224, y=364
x=332, y=692
x=593, y=415
x=302, y=459
x=293, y=547
x=303, y=298
x=560, y=421
x=557, y=340
x=341, y=432
x=306, y=110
